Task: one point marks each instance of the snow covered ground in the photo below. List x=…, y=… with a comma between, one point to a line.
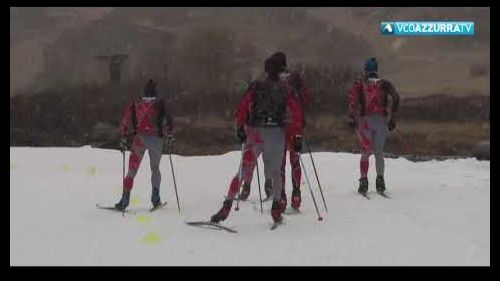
x=439, y=214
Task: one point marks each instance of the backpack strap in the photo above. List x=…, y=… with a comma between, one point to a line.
x=160, y=106
x=134, y=117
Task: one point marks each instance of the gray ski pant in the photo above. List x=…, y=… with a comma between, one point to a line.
x=372, y=133
x=154, y=145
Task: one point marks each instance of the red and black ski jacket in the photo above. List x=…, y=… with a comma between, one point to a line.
x=369, y=96
x=293, y=116
x=147, y=116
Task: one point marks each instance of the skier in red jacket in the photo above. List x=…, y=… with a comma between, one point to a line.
x=367, y=101
x=151, y=129
x=260, y=124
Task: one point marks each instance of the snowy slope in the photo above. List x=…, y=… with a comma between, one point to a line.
x=439, y=214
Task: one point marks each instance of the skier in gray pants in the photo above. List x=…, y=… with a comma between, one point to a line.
x=261, y=116
x=368, y=100
x=151, y=126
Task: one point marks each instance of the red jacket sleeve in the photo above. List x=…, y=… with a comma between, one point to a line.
x=244, y=107
x=297, y=126
x=126, y=118
x=353, y=99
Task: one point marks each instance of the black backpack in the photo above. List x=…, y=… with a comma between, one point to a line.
x=269, y=108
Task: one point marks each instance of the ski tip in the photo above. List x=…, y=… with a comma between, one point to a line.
x=208, y=224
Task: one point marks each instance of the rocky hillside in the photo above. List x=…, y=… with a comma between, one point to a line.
x=49, y=44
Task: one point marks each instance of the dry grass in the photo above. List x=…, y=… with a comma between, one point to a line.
x=430, y=125
x=422, y=137
x=449, y=138
x=327, y=133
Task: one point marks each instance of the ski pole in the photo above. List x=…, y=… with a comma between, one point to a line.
x=258, y=182
x=173, y=177
x=240, y=179
x=123, y=166
x=123, y=173
x=315, y=172
x=310, y=189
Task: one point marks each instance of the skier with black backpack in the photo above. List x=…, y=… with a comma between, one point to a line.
x=368, y=115
x=296, y=85
x=260, y=125
x=151, y=126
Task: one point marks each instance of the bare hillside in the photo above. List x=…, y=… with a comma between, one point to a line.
x=49, y=44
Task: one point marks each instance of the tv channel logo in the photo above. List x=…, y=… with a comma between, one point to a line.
x=387, y=28
x=427, y=28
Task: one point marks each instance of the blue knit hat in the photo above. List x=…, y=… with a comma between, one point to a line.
x=371, y=65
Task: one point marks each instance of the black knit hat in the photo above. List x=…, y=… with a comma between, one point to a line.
x=275, y=63
x=280, y=58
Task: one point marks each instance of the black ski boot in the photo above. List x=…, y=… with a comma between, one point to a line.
x=380, y=184
x=276, y=211
x=155, y=197
x=268, y=187
x=223, y=213
x=245, y=192
x=123, y=203
x=363, y=186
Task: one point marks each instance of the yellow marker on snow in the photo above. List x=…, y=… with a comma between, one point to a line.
x=151, y=238
x=66, y=167
x=92, y=171
x=144, y=219
x=134, y=201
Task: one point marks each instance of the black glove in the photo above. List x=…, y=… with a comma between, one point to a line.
x=353, y=124
x=168, y=140
x=124, y=145
x=298, y=143
x=240, y=134
x=392, y=124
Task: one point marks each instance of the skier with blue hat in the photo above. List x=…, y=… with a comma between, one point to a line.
x=368, y=102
